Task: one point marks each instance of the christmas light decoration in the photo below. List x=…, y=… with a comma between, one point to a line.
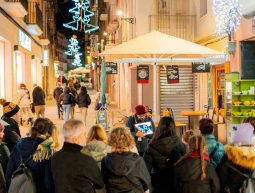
x=74, y=51
x=73, y=46
x=227, y=16
x=81, y=17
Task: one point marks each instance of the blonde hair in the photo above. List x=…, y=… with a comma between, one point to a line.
x=72, y=128
x=121, y=140
x=97, y=132
x=196, y=144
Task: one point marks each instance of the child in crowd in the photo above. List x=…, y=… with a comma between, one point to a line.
x=194, y=172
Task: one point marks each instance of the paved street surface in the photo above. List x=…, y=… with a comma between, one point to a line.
x=51, y=112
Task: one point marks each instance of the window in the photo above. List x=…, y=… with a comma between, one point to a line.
x=203, y=7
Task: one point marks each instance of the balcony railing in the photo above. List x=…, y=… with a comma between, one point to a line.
x=34, y=14
x=24, y=3
x=182, y=26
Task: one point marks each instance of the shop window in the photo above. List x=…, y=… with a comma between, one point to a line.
x=203, y=7
x=2, y=71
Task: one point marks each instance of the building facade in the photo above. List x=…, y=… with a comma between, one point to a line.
x=24, y=46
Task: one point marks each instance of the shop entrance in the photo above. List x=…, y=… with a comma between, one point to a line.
x=179, y=96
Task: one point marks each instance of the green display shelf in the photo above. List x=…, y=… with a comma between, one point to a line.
x=240, y=116
x=243, y=105
x=243, y=94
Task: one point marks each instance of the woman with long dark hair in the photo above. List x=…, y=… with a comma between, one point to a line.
x=164, y=150
x=193, y=172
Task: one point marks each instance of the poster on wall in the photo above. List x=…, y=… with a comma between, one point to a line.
x=200, y=67
x=172, y=74
x=111, y=68
x=143, y=74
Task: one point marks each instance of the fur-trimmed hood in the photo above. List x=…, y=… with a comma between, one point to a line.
x=241, y=155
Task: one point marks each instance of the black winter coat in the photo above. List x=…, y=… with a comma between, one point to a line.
x=188, y=177
x=66, y=98
x=11, y=133
x=125, y=172
x=160, y=158
x=74, y=172
x=41, y=170
x=57, y=92
x=83, y=99
x=229, y=178
x=38, y=96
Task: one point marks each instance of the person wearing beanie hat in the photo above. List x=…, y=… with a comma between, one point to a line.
x=11, y=131
x=214, y=148
x=141, y=139
x=239, y=158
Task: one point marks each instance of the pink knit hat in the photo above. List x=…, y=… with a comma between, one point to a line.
x=140, y=109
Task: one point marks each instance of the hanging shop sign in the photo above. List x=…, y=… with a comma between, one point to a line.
x=94, y=45
x=111, y=68
x=172, y=74
x=143, y=74
x=200, y=67
x=24, y=40
x=45, y=57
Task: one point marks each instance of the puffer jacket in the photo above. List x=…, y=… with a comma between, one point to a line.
x=23, y=98
x=210, y=146
x=57, y=92
x=241, y=158
x=96, y=149
x=160, y=158
x=82, y=99
x=188, y=176
x=38, y=96
x=125, y=172
x=66, y=98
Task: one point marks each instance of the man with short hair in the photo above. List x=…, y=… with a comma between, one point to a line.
x=74, y=172
x=39, y=101
x=56, y=94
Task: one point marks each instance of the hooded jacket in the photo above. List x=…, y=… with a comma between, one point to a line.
x=188, y=177
x=67, y=98
x=125, y=173
x=57, y=92
x=159, y=159
x=41, y=170
x=240, y=157
x=210, y=145
x=96, y=149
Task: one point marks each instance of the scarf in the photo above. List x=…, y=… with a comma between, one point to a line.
x=44, y=150
x=197, y=155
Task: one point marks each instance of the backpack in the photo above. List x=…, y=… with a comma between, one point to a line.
x=22, y=179
x=248, y=184
x=88, y=100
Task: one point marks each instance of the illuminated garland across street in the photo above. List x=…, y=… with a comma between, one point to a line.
x=81, y=17
x=227, y=16
x=74, y=51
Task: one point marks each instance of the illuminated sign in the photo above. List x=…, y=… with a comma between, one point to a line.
x=46, y=57
x=24, y=40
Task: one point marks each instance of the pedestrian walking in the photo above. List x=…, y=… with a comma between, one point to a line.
x=164, y=150
x=193, y=172
x=37, y=151
x=96, y=146
x=56, y=94
x=238, y=163
x=24, y=104
x=39, y=101
x=11, y=131
x=74, y=93
x=83, y=102
x=141, y=139
x=67, y=100
x=214, y=148
x=74, y=172
x=123, y=170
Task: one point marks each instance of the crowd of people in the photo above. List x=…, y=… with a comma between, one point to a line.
x=126, y=159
